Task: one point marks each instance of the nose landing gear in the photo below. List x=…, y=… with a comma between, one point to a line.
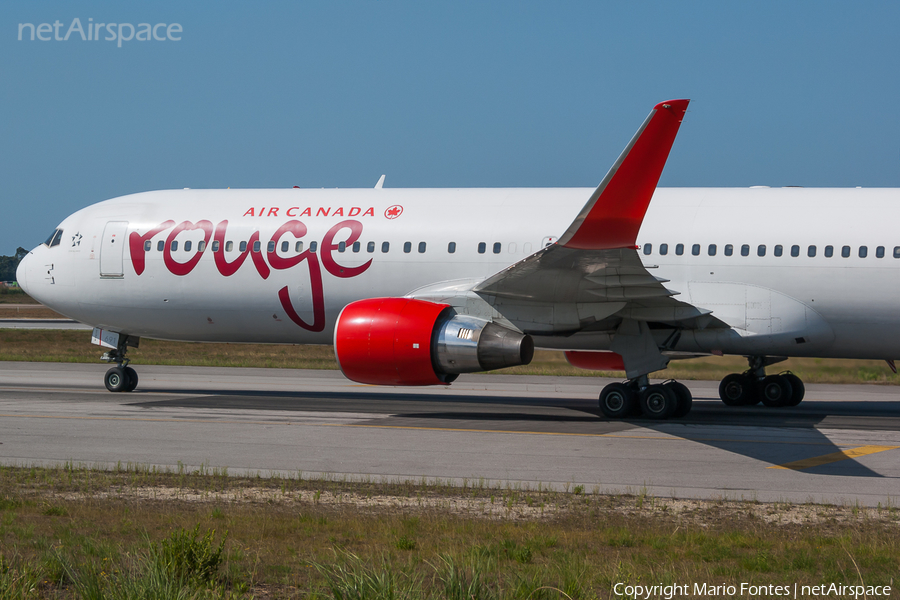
x=120, y=378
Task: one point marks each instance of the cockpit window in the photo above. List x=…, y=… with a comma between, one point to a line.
x=54, y=238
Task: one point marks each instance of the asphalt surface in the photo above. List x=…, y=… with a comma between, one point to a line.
x=841, y=445
x=42, y=324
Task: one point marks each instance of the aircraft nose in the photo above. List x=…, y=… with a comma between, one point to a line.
x=22, y=272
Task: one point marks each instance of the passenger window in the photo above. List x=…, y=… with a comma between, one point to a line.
x=421, y=247
x=407, y=247
x=761, y=250
x=896, y=251
x=679, y=249
x=451, y=247
x=663, y=249
x=298, y=247
x=147, y=245
x=811, y=251
x=229, y=246
x=778, y=250
x=257, y=246
x=342, y=246
x=648, y=248
x=187, y=246
x=863, y=251
x=215, y=246
x=242, y=247
x=482, y=247
x=270, y=247
x=201, y=245
x=795, y=250
x=174, y=246
x=496, y=247
x=356, y=246
x=695, y=249
x=829, y=251
x=745, y=250
x=370, y=247
x=313, y=246
x=879, y=252
x=845, y=251
x=729, y=249
x=285, y=246
x=385, y=246
x=160, y=245
x=712, y=249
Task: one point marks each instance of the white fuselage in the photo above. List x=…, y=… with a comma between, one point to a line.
x=788, y=305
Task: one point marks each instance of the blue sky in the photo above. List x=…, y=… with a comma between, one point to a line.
x=438, y=94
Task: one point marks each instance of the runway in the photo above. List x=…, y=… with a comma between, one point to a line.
x=841, y=445
x=43, y=324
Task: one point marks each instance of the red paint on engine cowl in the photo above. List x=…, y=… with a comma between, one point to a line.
x=387, y=341
x=596, y=361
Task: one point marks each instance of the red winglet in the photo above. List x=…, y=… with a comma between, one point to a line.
x=613, y=215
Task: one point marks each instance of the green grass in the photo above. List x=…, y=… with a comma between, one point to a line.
x=139, y=532
x=15, y=296
x=75, y=346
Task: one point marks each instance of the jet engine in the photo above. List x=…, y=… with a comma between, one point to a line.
x=403, y=341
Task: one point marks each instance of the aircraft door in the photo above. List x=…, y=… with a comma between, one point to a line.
x=112, y=249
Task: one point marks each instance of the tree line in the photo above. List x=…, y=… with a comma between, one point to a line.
x=8, y=264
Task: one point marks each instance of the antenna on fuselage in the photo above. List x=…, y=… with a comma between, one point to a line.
x=380, y=183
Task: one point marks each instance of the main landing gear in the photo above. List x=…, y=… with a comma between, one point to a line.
x=637, y=397
x=754, y=386
x=120, y=378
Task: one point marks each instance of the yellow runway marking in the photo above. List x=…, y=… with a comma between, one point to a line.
x=815, y=461
x=672, y=438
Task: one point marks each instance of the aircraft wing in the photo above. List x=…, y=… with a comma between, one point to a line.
x=592, y=279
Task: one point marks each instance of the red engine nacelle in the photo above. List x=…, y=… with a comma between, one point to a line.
x=402, y=341
x=387, y=341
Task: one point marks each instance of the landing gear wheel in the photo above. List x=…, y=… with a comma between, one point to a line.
x=775, y=391
x=683, y=396
x=116, y=380
x=132, y=377
x=617, y=401
x=797, y=389
x=738, y=389
x=658, y=402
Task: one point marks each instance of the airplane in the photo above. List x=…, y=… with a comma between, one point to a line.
x=416, y=286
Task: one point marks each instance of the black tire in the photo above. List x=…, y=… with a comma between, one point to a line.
x=116, y=380
x=684, y=397
x=798, y=390
x=738, y=389
x=132, y=377
x=617, y=401
x=658, y=402
x=775, y=391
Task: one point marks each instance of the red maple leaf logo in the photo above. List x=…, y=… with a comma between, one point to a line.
x=393, y=212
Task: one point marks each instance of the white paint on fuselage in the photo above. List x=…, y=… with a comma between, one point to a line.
x=854, y=295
